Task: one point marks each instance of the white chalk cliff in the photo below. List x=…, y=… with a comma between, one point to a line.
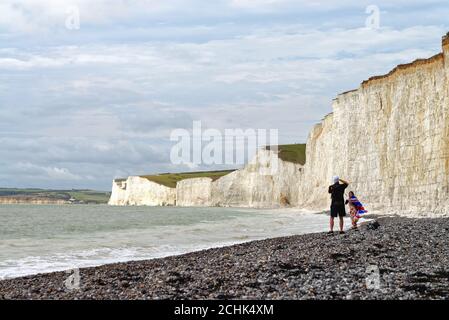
x=138, y=191
x=389, y=138
x=264, y=183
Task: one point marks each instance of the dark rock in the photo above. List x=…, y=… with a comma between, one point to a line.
x=373, y=225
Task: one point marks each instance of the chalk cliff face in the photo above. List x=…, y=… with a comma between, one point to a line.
x=137, y=191
x=194, y=192
x=266, y=182
x=389, y=138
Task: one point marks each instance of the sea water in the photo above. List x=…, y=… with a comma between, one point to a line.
x=45, y=238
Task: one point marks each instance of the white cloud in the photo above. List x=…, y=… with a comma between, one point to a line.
x=35, y=16
x=101, y=102
x=255, y=3
x=14, y=19
x=61, y=174
x=50, y=173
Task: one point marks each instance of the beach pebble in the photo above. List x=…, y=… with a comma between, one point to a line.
x=409, y=258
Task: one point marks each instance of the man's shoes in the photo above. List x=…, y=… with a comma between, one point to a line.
x=330, y=232
x=342, y=232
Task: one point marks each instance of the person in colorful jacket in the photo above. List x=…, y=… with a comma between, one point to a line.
x=356, y=209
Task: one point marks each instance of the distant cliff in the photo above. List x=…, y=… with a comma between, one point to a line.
x=141, y=192
x=389, y=138
x=42, y=196
x=31, y=200
x=257, y=185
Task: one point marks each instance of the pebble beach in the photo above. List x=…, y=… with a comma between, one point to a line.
x=407, y=258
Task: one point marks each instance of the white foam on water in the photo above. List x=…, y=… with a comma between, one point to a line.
x=24, y=255
x=90, y=258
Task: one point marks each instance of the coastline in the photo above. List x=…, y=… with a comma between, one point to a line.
x=410, y=253
x=113, y=236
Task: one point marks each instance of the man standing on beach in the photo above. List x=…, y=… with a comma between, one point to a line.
x=338, y=203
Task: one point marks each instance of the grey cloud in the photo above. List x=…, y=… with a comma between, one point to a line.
x=78, y=109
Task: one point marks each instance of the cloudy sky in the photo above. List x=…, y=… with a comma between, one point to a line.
x=82, y=104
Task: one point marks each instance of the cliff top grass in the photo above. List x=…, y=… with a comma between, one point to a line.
x=295, y=153
x=171, y=179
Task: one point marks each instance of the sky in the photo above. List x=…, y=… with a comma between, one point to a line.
x=91, y=90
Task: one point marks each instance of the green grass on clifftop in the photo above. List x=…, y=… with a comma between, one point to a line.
x=295, y=153
x=170, y=179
